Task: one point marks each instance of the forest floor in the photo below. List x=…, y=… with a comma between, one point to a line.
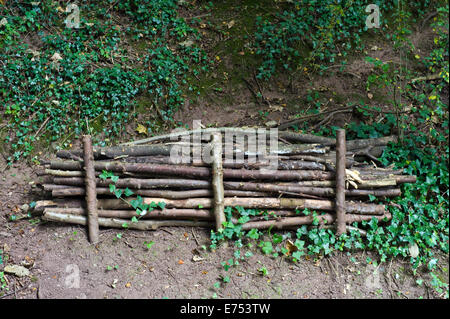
x=62, y=263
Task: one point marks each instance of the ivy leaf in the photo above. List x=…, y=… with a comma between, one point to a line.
x=112, y=188
x=128, y=192
x=267, y=247
x=118, y=193
x=114, y=178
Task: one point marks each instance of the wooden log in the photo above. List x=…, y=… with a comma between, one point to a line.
x=217, y=180
x=173, y=213
x=251, y=202
x=283, y=164
x=309, y=190
x=136, y=183
x=204, y=172
x=316, y=188
x=170, y=149
x=290, y=222
x=246, y=202
x=340, y=182
x=119, y=223
x=91, y=194
x=68, y=191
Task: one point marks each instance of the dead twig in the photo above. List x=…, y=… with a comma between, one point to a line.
x=287, y=124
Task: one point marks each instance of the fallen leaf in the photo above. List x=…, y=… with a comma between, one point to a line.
x=17, y=270
x=197, y=258
x=370, y=95
x=290, y=247
x=141, y=129
x=230, y=24
x=113, y=285
x=180, y=262
x=204, y=272
x=413, y=250
x=56, y=57
x=271, y=123
x=128, y=285
x=187, y=43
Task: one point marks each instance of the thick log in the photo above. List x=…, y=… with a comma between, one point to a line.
x=90, y=185
x=217, y=180
x=340, y=182
x=118, y=223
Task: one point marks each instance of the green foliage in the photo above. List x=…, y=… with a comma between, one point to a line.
x=66, y=81
x=137, y=203
x=326, y=30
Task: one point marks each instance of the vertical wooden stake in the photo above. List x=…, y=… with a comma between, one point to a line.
x=217, y=179
x=340, y=182
x=91, y=192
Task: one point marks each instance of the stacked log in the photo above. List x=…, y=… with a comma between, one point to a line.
x=301, y=172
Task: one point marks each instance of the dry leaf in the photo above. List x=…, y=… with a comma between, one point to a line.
x=113, y=285
x=413, y=250
x=197, y=258
x=290, y=247
x=141, y=129
x=230, y=24
x=128, y=285
x=353, y=175
x=180, y=262
x=56, y=57
x=370, y=95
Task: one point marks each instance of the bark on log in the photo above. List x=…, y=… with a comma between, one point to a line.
x=290, y=222
x=90, y=185
x=174, y=213
x=204, y=172
x=340, y=182
x=118, y=223
x=172, y=149
x=217, y=180
x=251, y=202
x=68, y=191
x=59, y=167
x=317, y=191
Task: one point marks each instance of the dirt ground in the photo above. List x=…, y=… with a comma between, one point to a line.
x=62, y=263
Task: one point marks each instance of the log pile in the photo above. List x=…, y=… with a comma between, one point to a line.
x=282, y=177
